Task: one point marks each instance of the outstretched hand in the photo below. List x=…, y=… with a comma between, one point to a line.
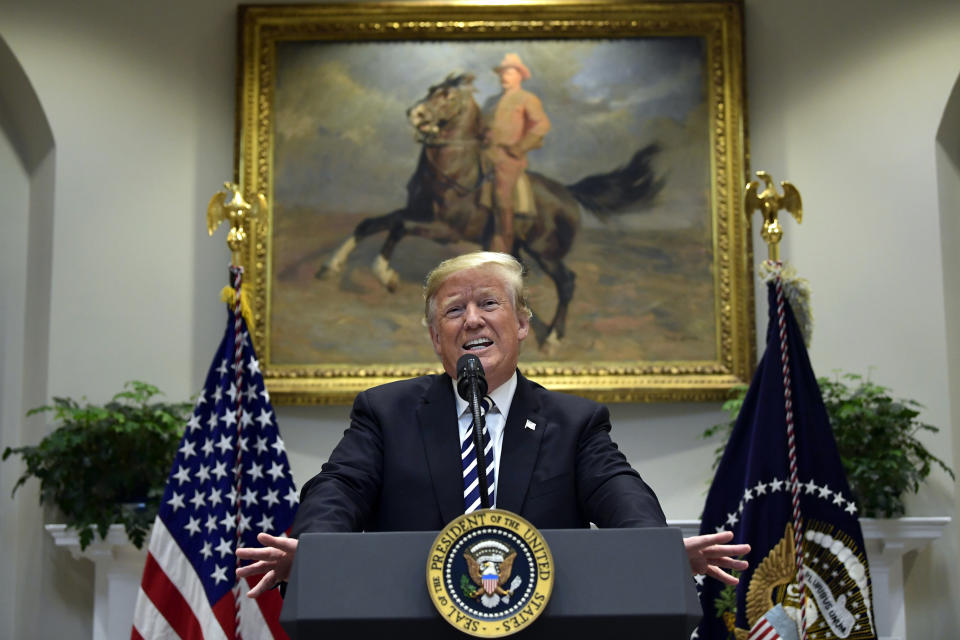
x=708, y=553
x=274, y=560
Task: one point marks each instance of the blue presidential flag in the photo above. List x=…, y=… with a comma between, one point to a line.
x=230, y=480
x=780, y=487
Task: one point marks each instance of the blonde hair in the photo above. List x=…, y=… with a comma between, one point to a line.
x=509, y=269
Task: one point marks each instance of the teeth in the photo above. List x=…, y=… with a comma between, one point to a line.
x=478, y=342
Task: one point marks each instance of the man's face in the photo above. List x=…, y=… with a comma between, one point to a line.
x=474, y=314
x=510, y=78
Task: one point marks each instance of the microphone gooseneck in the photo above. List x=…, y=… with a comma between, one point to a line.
x=472, y=385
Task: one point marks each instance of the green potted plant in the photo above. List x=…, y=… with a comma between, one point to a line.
x=876, y=436
x=107, y=464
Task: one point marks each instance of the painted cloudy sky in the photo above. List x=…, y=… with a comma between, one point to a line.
x=343, y=144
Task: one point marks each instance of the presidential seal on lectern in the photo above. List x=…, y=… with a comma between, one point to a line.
x=490, y=573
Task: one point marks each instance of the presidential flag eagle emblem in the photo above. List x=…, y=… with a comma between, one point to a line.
x=490, y=563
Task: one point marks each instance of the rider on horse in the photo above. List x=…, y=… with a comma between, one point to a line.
x=517, y=125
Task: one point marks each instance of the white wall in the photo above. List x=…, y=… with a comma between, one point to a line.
x=948, y=180
x=845, y=99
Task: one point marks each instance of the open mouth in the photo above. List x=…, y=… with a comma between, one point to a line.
x=477, y=343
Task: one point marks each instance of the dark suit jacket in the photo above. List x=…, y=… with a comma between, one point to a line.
x=397, y=467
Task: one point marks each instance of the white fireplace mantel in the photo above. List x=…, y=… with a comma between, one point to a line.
x=118, y=566
x=117, y=570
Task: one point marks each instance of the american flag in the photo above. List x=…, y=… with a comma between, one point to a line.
x=189, y=587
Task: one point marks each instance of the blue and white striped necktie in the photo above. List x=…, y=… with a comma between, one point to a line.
x=468, y=455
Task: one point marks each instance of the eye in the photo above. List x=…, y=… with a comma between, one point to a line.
x=453, y=312
x=491, y=303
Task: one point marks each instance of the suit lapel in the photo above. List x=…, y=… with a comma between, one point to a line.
x=520, y=447
x=441, y=442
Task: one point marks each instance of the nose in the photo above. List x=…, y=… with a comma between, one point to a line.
x=472, y=316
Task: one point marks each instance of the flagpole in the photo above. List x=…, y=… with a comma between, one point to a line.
x=187, y=589
x=808, y=575
x=231, y=206
x=770, y=203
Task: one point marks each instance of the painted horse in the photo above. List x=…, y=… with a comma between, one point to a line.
x=445, y=203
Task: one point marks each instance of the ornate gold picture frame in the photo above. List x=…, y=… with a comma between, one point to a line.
x=652, y=299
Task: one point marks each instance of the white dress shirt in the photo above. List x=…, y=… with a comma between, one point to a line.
x=496, y=419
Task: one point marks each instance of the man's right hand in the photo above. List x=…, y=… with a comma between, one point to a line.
x=274, y=560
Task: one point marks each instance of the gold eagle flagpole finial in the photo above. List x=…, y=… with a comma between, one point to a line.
x=769, y=202
x=229, y=205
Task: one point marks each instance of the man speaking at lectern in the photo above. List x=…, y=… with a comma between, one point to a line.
x=400, y=466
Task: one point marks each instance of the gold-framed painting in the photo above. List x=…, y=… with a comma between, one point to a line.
x=368, y=127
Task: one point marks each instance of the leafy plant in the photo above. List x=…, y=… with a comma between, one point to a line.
x=106, y=464
x=725, y=605
x=876, y=436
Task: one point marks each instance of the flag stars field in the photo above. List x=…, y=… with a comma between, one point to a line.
x=777, y=484
x=182, y=475
x=276, y=471
x=193, y=526
x=176, y=501
x=188, y=449
x=220, y=573
x=270, y=497
x=265, y=419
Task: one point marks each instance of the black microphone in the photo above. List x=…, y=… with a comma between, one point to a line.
x=470, y=371
x=472, y=385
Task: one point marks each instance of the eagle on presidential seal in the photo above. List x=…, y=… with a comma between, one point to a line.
x=490, y=564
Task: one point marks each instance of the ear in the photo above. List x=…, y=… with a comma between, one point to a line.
x=524, y=326
x=435, y=339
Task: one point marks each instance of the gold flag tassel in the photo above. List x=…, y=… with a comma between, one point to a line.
x=228, y=295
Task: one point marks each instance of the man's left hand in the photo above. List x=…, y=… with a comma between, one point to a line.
x=514, y=150
x=708, y=553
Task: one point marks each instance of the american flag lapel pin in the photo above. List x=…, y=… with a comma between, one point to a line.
x=530, y=425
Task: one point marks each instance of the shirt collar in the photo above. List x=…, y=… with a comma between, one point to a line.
x=502, y=396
